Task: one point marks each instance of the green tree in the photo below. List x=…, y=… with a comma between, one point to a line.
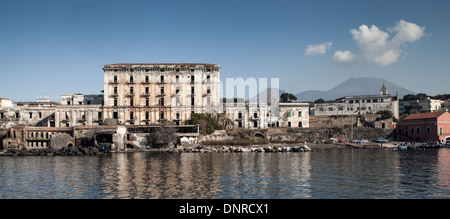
x=205, y=122
x=386, y=113
x=319, y=101
x=287, y=98
x=162, y=137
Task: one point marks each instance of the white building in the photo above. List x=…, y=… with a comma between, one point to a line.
x=359, y=105
x=422, y=106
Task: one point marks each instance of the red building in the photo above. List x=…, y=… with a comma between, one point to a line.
x=423, y=127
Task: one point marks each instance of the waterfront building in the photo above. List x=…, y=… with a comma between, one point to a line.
x=79, y=110
x=422, y=127
x=152, y=93
x=293, y=115
x=6, y=102
x=38, y=113
x=421, y=106
x=359, y=105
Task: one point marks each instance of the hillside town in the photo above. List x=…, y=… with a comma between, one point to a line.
x=140, y=98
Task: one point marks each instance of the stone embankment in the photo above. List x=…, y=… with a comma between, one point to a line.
x=68, y=151
x=237, y=149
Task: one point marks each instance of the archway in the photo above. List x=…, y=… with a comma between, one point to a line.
x=258, y=135
x=70, y=144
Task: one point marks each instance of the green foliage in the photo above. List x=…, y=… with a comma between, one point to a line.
x=206, y=123
x=386, y=113
x=162, y=137
x=319, y=101
x=287, y=98
x=420, y=96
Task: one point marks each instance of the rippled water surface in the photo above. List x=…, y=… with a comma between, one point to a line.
x=330, y=173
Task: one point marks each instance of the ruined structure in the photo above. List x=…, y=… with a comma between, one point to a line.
x=137, y=98
x=143, y=94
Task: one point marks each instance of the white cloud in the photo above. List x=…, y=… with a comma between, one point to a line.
x=312, y=50
x=344, y=57
x=375, y=46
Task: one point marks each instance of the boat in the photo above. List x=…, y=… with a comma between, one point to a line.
x=380, y=140
x=402, y=147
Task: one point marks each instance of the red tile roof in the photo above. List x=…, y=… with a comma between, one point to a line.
x=424, y=116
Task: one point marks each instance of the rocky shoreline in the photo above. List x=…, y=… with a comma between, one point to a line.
x=68, y=151
x=266, y=148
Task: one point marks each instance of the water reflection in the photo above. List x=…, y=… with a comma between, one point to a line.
x=334, y=173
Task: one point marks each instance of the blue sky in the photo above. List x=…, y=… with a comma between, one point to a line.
x=60, y=46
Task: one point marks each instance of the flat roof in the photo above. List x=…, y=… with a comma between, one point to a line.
x=161, y=64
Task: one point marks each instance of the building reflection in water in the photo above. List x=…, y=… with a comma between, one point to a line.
x=213, y=175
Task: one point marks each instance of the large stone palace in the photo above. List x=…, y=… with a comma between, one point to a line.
x=151, y=94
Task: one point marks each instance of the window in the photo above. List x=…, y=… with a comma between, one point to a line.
x=147, y=102
x=289, y=114
x=177, y=90
x=177, y=101
x=208, y=90
x=147, y=90
x=441, y=130
x=115, y=78
x=31, y=115
x=192, y=90
x=131, y=101
x=146, y=78
x=192, y=101
x=240, y=115
x=99, y=115
x=131, y=90
x=115, y=115
x=147, y=115
x=1, y=115
x=428, y=130
x=418, y=130
x=162, y=90
x=192, y=78
x=115, y=91
x=208, y=78
x=299, y=113
x=162, y=78
x=177, y=78
x=178, y=115
x=17, y=115
x=240, y=124
x=131, y=79
x=255, y=115
x=161, y=115
x=412, y=131
x=208, y=100
x=255, y=124
x=162, y=101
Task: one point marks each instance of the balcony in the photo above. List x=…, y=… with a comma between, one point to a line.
x=115, y=94
x=145, y=94
x=113, y=82
x=129, y=94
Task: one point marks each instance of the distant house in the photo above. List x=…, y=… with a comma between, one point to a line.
x=422, y=127
x=359, y=105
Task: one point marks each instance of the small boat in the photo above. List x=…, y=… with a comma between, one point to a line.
x=402, y=147
x=380, y=140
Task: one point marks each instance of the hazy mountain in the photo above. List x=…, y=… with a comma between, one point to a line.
x=354, y=86
x=267, y=96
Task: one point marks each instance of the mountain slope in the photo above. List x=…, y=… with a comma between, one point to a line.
x=354, y=86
